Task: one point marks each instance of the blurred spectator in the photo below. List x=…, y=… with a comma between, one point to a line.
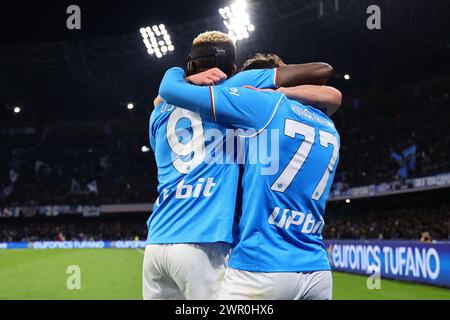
x=426, y=237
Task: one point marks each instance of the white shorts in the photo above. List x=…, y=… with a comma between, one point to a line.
x=183, y=271
x=246, y=285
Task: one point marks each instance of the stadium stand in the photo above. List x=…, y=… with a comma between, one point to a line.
x=96, y=165
x=60, y=168
x=74, y=229
x=384, y=224
x=392, y=224
x=372, y=134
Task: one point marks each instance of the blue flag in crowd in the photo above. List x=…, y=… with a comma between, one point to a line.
x=406, y=160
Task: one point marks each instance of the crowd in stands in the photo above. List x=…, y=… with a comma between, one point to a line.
x=408, y=223
x=370, y=136
x=82, y=230
x=54, y=168
x=393, y=224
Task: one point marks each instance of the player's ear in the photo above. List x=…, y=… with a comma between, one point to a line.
x=190, y=68
x=234, y=69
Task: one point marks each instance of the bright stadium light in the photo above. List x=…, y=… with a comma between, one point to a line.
x=157, y=40
x=237, y=20
x=347, y=200
x=130, y=106
x=145, y=149
x=17, y=110
x=346, y=76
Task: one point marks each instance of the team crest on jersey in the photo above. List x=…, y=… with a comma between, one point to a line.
x=234, y=91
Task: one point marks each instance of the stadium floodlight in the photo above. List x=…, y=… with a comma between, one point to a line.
x=157, y=40
x=145, y=149
x=346, y=76
x=237, y=20
x=17, y=109
x=130, y=106
x=347, y=200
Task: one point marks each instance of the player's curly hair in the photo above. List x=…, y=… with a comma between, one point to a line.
x=213, y=37
x=263, y=61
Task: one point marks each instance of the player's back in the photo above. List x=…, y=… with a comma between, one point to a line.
x=197, y=173
x=282, y=213
x=189, y=179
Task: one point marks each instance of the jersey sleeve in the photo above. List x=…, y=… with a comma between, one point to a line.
x=244, y=108
x=234, y=107
x=151, y=134
x=176, y=91
x=258, y=78
x=152, y=127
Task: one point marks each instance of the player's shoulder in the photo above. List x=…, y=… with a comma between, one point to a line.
x=249, y=77
x=159, y=113
x=161, y=110
x=310, y=114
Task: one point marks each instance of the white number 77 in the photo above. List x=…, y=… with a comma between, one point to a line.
x=287, y=176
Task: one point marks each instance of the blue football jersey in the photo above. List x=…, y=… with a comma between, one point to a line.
x=197, y=178
x=292, y=152
x=287, y=177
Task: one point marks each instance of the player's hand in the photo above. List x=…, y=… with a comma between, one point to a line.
x=209, y=77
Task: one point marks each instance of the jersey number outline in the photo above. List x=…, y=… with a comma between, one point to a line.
x=196, y=144
x=291, y=129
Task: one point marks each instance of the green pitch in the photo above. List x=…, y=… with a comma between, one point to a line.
x=116, y=274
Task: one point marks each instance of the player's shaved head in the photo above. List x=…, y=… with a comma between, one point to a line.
x=263, y=61
x=212, y=49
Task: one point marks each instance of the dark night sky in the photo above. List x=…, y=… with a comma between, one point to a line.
x=45, y=20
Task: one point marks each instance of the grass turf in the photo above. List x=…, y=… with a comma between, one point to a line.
x=116, y=274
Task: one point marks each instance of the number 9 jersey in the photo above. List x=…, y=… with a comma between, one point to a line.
x=197, y=171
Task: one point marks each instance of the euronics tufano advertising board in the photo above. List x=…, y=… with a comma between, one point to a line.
x=40, y=245
x=401, y=260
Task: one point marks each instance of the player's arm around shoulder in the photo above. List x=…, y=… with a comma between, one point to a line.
x=315, y=73
x=244, y=108
x=324, y=97
x=175, y=90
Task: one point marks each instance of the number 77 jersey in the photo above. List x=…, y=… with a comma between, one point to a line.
x=284, y=205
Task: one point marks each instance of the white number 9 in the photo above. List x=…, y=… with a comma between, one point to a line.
x=196, y=145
